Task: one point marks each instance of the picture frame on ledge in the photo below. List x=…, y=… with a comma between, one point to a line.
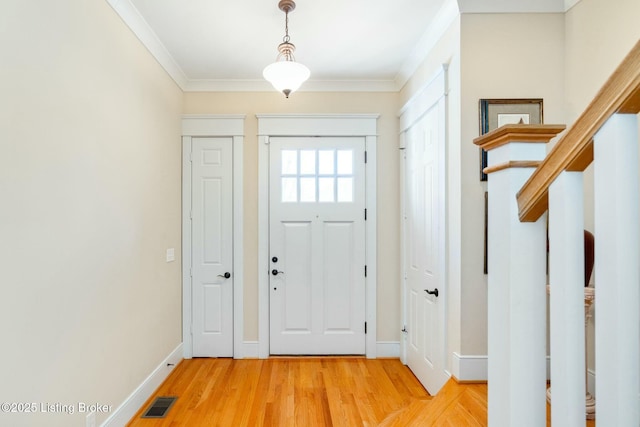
x=498, y=112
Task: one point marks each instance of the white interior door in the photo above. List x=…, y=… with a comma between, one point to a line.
x=425, y=249
x=317, y=245
x=212, y=247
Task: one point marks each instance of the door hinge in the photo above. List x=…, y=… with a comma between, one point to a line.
x=404, y=329
x=365, y=271
x=365, y=327
x=365, y=214
x=191, y=157
x=365, y=157
x=191, y=272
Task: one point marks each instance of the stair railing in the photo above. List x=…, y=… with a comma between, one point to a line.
x=536, y=201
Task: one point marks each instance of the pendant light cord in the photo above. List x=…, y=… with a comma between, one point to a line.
x=286, y=37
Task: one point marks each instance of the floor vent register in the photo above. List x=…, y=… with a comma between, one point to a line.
x=159, y=407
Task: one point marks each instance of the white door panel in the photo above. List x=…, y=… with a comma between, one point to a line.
x=425, y=249
x=212, y=247
x=317, y=246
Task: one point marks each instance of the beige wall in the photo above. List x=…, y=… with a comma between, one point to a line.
x=386, y=104
x=90, y=196
x=599, y=34
x=503, y=56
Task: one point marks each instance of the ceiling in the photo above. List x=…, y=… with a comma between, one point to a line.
x=347, y=44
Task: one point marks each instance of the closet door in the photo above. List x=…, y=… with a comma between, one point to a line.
x=425, y=249
x=212, y=247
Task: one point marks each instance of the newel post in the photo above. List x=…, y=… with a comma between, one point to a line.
x=517, y=279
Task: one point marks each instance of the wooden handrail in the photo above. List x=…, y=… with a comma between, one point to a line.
x=574, y=150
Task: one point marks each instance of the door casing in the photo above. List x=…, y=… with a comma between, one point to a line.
x=213, y=126
x=304, y=125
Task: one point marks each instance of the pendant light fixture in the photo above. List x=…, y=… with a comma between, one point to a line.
x=286, y=75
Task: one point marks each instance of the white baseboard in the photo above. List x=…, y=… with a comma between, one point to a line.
x=474, y=368
x=250, y=350
x=469, y=368
x=388, y=349
x=123, y=413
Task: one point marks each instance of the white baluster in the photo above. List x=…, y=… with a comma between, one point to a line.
x=566, y=306
x=617, y=275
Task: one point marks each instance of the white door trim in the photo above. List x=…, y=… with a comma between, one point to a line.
x=213, y=126
x=363, y=125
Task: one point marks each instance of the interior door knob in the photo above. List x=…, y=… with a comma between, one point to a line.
x=276, y=272
x=433, y=292
x=225, y=275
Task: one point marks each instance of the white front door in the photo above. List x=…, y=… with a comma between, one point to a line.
x=212, y=247
x=425, y=249
x=317, y=245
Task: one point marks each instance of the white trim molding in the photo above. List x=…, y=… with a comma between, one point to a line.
x=440, y=23
x=469, y=368
x=362, y=125
x=215, y=125
x=317, y=124
x=132, y=404
x=250, y=350
x=388, y=349
x=149, y=39
x=474, y=368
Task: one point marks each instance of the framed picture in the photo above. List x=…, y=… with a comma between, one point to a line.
x=498, y=112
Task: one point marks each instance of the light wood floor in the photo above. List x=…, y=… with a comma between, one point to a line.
x=312, y=392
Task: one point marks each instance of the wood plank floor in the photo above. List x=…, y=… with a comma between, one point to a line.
x=286, y=392
x=313, y=392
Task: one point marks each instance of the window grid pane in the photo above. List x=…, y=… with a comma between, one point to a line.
x=326, y=162
x=326, y=189
x=307, y=162
x=289, y=189
x=345, y=162
x=307, y=189
x=317, y=175
x=289, y=162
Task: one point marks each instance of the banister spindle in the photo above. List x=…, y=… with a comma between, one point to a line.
x=617, y=276
x=566, y=300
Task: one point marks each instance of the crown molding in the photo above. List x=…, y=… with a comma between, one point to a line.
x=308, y=86
x=521, y=6
x=139, y=26
x=439, y=25
x=568, y=4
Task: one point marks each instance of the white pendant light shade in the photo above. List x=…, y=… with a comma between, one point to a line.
x=286, y=76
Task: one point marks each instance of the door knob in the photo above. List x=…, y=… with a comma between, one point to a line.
x=433, y=292
x=276, y=272
x=274, y=259
x=225, y=275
